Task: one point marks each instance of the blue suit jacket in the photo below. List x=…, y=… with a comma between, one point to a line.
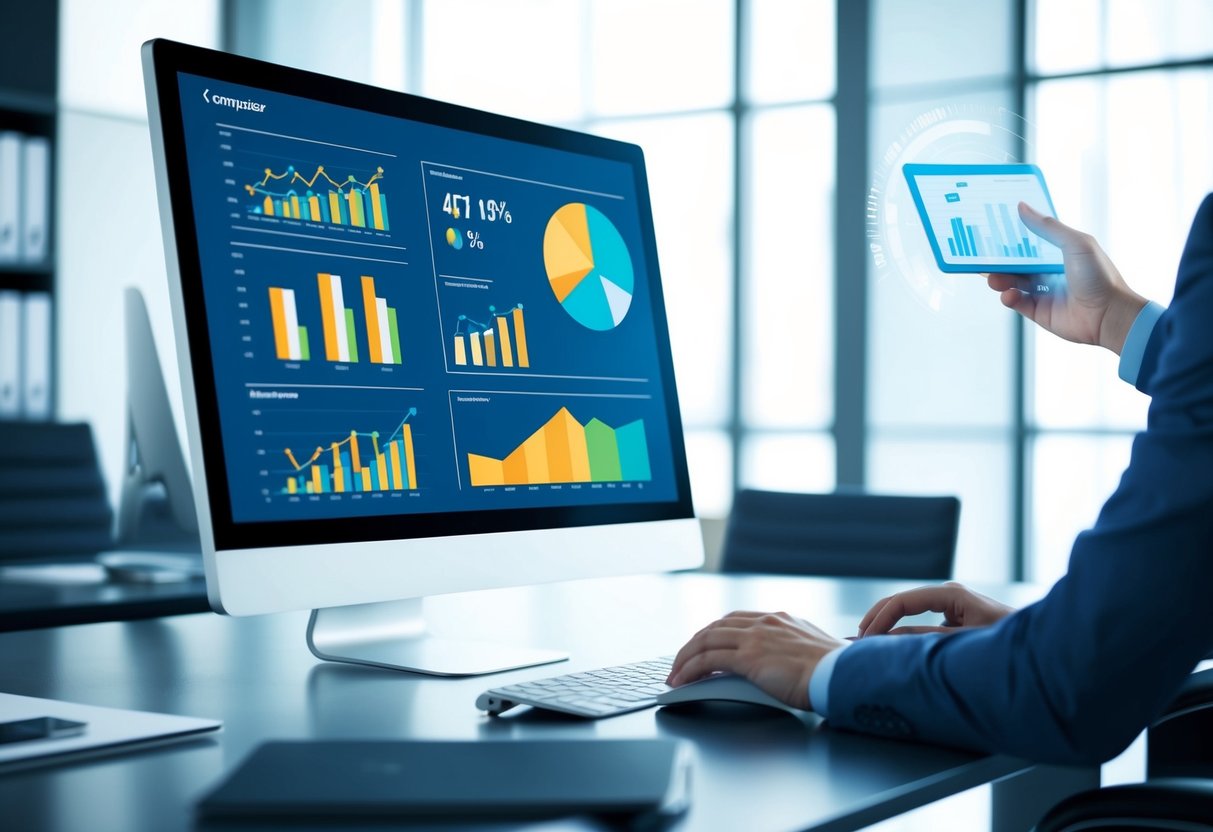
x=1075, y=677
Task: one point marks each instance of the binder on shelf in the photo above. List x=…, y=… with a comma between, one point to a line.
x=35, y=199
x=36, y=369
x=10, y=355
x=10, y=196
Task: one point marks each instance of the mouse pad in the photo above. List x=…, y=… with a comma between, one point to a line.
x=419, y=778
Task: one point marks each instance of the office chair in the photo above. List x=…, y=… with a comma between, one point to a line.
x=1178, y=791
x=854, y=535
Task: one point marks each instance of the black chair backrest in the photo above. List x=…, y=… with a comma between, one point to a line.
x=52, y=496
x=854, y=535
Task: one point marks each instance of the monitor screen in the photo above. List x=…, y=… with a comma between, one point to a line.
x=409, y=319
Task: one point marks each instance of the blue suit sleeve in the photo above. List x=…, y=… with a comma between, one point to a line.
x=1075, y=677
x=819, y=682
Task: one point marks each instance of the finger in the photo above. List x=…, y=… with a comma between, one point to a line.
x=1001, y=282
x=919, y=629
x=713, y=638
x=910, y=602
x=871, y=613
x=1023, y=303
x=1051, y=228
x=702, y=664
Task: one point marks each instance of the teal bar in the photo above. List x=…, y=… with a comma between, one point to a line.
x=326, y=485
x=383, y=210
x=305, y=208
x=324, y=208
x=633, y=451
x=375, y=486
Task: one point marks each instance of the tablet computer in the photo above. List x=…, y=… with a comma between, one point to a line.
x=971, y=216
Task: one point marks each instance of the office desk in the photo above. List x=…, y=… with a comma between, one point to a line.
x=755, y=768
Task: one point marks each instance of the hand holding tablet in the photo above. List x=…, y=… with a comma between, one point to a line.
x=970, y=214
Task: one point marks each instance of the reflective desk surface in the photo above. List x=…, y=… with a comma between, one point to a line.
x=755, y=769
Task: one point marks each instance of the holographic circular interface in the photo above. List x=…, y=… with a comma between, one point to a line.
x=956, y=134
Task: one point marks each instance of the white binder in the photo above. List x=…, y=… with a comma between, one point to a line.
x=10, y=355
x=10, y=196
x=36, y=369
x=35, y=202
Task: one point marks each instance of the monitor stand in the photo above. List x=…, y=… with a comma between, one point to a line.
x=393, y=635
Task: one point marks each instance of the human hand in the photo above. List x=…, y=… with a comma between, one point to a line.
x=961, y=607
x=1095, y=306
x=775, y=651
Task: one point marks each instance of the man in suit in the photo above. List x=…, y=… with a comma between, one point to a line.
x=1076, y=676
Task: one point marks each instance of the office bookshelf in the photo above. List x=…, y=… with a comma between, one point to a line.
x=29, y=80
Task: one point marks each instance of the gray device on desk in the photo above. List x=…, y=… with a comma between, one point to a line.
x=435, y=361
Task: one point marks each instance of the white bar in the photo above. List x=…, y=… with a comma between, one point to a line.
x=385, y=334
x=343, y=336
x=293, y=350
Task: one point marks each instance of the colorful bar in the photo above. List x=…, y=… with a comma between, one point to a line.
x=278, y=314
x=972, y=242
x=604, y=452
x=461, y=352
x=520, y=338
x=633, y=452
x=369, y=310
x=507, y=353
x=477, y=353
x=410, y=463
x=354, y=199
x=395, y=334
x=305, y=352
x=335, y=208
x=352, y=346
x=366, y=207
x=267, y=207
x=328, y=316
x=313, y=207
x=291, y=486
x=366, y=479
x=394, y=451
x=490, y=348
x=376, y=206
x=316, y=485
x=292, y=324
x=383, y=212
x=952, y=246
x=294, y=206
x=385, y=334
x=381, y=469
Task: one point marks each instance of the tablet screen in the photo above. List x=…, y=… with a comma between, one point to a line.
x=972, y=220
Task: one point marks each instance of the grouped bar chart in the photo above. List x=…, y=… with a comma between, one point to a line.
x=565, y=451
x=346, y=202
x=382, y=332
x=337, y=320
x=358, y=462
x=290, y=339
x=491, y=343
x=998, y=236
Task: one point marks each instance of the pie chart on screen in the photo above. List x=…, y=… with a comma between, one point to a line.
x=588, y=266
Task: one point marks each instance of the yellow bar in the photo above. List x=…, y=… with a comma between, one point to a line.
x=490, y=349
x=366, y=479
x=556, y=436
x=354, y=452
x=520, y=339
x=355, y=200
x=503, y=332
x=483, y=470
x=536, y=450
x=381, y=462
x=291, y=486
x=334, y=208
x=477, y=355
x=313, y=204
x=461, y=351
x=317, y=486
x=278, y=312
x=579, y=451
x=513, y=468
x=410, y=463
x=394, y=451
x=372, y=319
x=295, y=206
x=268, y=206
x=376, y=209
x=328, y=316
x=310, y=490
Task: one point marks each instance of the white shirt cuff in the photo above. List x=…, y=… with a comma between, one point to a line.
x=1136, y=341
x=819, y=682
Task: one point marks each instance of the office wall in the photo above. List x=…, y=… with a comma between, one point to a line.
x=108, y=220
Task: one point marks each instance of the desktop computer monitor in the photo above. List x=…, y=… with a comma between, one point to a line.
x=423, y=350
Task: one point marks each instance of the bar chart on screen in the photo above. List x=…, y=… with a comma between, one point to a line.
x=339, y=323
x=320, y=197
x=496, y=339
x=355, y=462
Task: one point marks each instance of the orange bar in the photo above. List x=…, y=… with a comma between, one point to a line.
x=394, y=452
x=503, y=333
x=278, y=313
x=334, y=208
x=366, y=479
x=560, y=461
x=520, y=339
x=490, y=349
x=354, y=198
x=381, y=461
x=267, y=207
x=294, y=206
x=317, y=487
x=376, y=208
x=485, y=471
x=328, y=316
x=410, y=462
x=354, y=452
x=313, y=205
x=372, y=319
x=291, y=486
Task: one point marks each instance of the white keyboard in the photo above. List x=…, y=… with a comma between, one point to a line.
x=607, y=691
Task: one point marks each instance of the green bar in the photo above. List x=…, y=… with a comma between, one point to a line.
x=303, y=347
x=349, y=331
x=633, y=452
x=391, y=325
x=604, y=452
